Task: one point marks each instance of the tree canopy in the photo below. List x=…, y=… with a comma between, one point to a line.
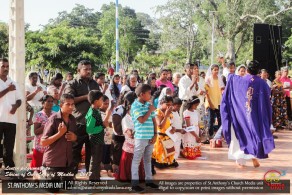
x=3, y=39
x=180, y=33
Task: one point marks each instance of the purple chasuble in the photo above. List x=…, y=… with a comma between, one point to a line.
x=246, y=105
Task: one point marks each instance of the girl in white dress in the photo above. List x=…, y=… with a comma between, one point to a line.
x=191, y=139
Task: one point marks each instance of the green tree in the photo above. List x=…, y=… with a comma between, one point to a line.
x=146, y=61
x=80, y=16
x=176, y=57
x=178, y=25
x=234, y=19
x=286, y=23
x=4, y=39
x=62, y=47
x=132, y=35
x=288, y=49
x=149, y=23
x=188, y=24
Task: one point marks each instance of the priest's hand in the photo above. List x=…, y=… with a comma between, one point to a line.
x=13, y=109
x=70, y=136
x=11, y=87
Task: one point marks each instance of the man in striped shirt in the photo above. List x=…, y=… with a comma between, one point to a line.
x=145, y=133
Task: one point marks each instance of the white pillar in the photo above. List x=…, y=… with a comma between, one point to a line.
x=17, y=73
x=117, y=38
x=212, y=46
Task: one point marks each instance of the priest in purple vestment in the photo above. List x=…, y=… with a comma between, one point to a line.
x=246, y=115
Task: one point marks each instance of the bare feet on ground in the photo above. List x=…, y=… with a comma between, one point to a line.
x=255, y=163
x=240, y=165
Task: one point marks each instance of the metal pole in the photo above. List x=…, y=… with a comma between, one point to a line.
x=117, y=36
x=17, y=73
x=212, y=50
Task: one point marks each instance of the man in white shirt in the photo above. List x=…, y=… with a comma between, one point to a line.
x=34, y=92
x=10, y=101
x=228, y=68
x=264, y=76
x=188, y=86
x=103, y=87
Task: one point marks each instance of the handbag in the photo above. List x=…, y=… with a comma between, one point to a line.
x=168, y=146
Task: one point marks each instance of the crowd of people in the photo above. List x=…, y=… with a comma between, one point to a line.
x=129, y=127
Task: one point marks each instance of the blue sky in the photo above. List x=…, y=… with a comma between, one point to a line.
x=38, y=12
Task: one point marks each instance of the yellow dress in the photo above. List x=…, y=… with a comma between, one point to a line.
x=159, y=158
x=215, y=94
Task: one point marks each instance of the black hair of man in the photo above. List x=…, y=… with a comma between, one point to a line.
x=94, y=95
x=163, y=70
x=104, y=98
x=98, y=75
x=83, y=62
x=3, y=60
x=253, y=67
x=189, y=65
x=177, y=101
x=142, y=88
x=58, y=76
x=66, y=96
x=32, y=74
x=230, y=64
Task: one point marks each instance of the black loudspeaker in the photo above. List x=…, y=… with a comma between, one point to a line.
x=267, y=44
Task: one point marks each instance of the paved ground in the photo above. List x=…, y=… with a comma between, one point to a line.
x=217, y=166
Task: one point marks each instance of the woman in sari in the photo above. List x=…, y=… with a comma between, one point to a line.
x=279, y=105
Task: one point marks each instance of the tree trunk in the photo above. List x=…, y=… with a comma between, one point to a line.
x=230, y=54
x=188, y=51
x=192, y=50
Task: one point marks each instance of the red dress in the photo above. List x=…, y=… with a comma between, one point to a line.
x=125, y=173
x=38, y=150
x=37, y=159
